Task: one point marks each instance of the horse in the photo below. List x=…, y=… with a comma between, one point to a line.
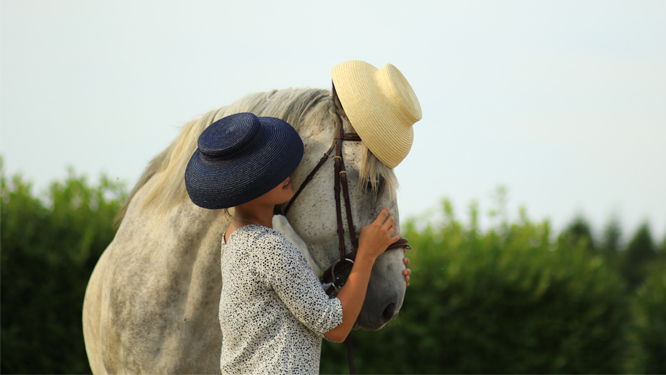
x=151, y=305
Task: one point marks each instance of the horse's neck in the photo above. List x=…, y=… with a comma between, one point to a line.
x=183, y=224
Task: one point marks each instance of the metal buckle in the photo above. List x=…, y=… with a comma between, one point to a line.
x=335, y=264
x=338, y=286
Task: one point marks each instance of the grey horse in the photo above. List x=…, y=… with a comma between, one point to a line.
x=152, y=302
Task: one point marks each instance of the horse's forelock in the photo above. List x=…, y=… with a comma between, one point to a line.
x=375, y=175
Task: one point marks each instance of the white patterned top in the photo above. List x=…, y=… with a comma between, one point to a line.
x=273, y=309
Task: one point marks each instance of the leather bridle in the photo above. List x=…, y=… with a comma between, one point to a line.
x=346, y=260
x=335, y=283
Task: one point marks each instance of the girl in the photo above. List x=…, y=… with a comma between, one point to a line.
x=273, y=309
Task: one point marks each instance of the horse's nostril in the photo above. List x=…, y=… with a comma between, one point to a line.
x=389, y=312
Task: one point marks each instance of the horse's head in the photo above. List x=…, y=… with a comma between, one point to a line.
x=372, y=186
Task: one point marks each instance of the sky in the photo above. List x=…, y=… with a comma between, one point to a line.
x=561, y=102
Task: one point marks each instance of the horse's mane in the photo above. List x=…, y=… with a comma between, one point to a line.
x=298, y=107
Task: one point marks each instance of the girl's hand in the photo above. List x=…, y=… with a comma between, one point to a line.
x=406, y=272
x=376, y=237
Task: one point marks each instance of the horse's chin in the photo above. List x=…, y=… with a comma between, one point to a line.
x=374, y=322
x=368, y=328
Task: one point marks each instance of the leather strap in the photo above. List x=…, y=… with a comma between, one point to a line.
x=345, y=191
x=350, y=354
x=349, y=137
x=338, y=211
x=308, y=178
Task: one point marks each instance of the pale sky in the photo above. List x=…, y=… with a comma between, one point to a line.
x=562, y=102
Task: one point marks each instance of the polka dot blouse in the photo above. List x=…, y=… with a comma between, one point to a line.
x=273, y=309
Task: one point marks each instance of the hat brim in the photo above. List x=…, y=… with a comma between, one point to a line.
x=381, y=106
x=272, y=157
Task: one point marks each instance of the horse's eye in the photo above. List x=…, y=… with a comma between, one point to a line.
x=369, y=187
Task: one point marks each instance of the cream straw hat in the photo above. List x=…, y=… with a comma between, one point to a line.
x=381, y=106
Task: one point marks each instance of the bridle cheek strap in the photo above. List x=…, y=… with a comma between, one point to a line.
x=307, y=179
x=341, y=183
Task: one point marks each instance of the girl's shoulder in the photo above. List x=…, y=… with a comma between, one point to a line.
x=270, y=240
x=268, y=250
x=260, y=238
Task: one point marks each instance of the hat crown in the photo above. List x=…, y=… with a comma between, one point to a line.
x=400, y=92
x=229, y=135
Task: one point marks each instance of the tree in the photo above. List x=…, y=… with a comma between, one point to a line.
x=612, y=235
x=638, y=256
x=580, y=230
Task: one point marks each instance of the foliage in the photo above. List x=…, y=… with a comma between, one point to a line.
x=507, y=301
x=49, y=249
x=648, y=334
x=639, y=254
x=612, y=237
x=580, y=231
x=512, y=299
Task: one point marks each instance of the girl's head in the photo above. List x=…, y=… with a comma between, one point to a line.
x=240, y=158
x=278, y=195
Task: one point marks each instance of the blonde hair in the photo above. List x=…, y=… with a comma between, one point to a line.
x=298, y=107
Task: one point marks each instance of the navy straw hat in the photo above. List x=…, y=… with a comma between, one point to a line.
x=241, y=157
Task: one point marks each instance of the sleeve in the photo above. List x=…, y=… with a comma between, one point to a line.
x=289, y=275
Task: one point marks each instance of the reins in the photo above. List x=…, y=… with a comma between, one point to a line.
x=346, y=260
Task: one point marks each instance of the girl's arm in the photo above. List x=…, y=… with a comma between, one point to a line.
x=374, y=239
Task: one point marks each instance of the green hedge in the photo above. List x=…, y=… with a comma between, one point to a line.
x=49, y=249
x=512, y=300
x=648, y=333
